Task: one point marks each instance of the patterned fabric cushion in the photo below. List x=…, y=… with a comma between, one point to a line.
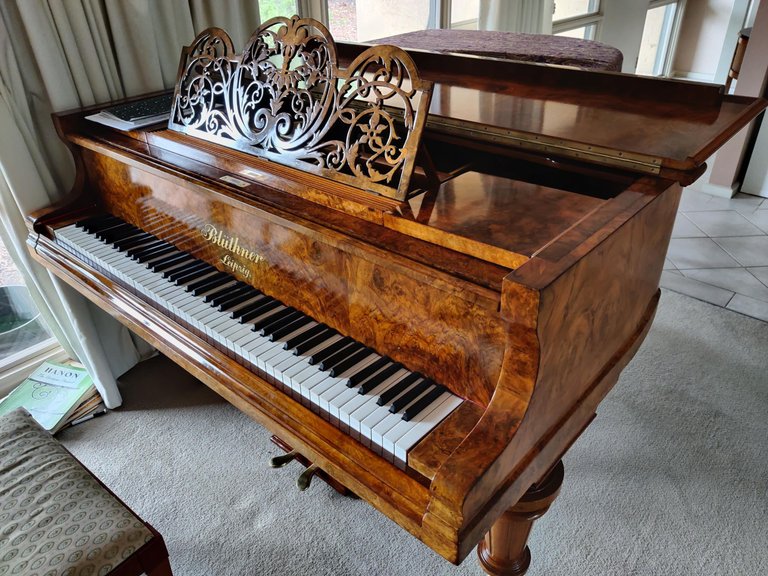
x=55, y=518
x=541, y=48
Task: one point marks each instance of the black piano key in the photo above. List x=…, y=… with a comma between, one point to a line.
x=161, y=258
x=274, y=321
x=104, y=224
x=248, y=313
x=328, y=363
x=306, y=335
x=204, y=281
x=300, y=321
x=119, y=233
x=209, y=283
x=235, y=291
x=215, y=283
x=347, y=363
x=367, y=372
x=378, y=378
x=115, y=236
x=167, y=262
x=307, y=345
x=233, y=297
x=398, y=388
x=399, y=404
x=330, y=350
x=280, y=323
x=126, y=243
x=194, y=274
x=154, y=252
x=95, y=222
x=414, y=409
x=127, y=237
x=193, y=264
x=138, y=251
x=112, y=229
x=223, y=291
x=243, y=302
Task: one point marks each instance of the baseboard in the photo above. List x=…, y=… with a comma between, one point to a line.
x=715, y=189
x=696, y=76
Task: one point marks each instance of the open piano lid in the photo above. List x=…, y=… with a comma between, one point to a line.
x=510, y=157
x=647, y=125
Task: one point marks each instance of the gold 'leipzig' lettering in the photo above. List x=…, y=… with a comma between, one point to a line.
x=228, y=243
x=235, y=266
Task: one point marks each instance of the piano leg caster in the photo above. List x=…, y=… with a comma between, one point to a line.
x=315, y=471
x=504, y=550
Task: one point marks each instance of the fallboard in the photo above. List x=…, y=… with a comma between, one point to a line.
x=411, y=313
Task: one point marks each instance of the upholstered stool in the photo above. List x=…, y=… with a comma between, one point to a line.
x=57, y=519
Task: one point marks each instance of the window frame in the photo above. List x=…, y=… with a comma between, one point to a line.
x=670, y=33
x=593, y=17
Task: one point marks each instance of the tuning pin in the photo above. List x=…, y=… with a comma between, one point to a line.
x=283, y=459
x=306, y=477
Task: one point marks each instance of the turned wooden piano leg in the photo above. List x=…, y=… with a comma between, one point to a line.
x=504, y=550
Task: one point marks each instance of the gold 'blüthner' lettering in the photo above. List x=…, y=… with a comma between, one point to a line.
x=229, y=243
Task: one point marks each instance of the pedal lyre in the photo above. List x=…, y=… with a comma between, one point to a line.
x=305, y=479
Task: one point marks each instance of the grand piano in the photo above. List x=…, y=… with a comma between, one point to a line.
x=422, y=272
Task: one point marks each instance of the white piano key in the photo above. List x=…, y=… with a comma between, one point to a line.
x=359, y=412
x=425, y=423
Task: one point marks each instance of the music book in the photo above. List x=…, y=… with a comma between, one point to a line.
x=53, y=394
x=136, y=114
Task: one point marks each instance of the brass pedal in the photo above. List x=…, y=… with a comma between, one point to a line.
x=283, y=459
x=305, y=479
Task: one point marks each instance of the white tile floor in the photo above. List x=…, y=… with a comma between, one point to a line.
x=719, y=252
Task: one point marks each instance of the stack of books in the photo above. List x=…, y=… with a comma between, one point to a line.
x=57, y=396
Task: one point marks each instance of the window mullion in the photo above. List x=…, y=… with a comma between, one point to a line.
x=576, y=22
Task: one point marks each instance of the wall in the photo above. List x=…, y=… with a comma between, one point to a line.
x=703, y=33
x=723, y=179
x=622, y=28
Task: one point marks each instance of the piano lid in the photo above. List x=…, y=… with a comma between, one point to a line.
x=647, y=125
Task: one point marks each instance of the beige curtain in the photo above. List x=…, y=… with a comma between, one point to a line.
x=61, y=54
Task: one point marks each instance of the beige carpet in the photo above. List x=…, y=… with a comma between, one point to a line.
x=671, y=478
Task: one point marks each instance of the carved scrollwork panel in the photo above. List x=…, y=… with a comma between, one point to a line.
x=285, y=98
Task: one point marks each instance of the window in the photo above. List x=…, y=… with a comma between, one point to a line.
x=658, y=33
x=576, y=18
x=24, y=338
x=342, y=19
x=464, y=14
x=365, y=20
x=271, y=8
x=584, y=32
x=567, y=9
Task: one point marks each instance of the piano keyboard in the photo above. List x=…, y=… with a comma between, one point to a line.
x=372, y=398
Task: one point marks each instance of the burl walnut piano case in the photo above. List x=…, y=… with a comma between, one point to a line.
x=512, y=264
